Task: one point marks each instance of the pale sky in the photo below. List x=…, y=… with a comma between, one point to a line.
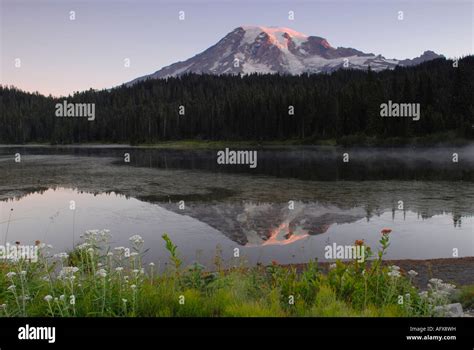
x=59, y=56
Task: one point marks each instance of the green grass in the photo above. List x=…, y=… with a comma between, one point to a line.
x=447, y=138
x=206, y=144
x=96, y=280
x=442, y=138
x=466, y=296
x=435, y=139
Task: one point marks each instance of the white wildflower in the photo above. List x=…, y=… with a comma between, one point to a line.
x=67, y=272
x=83, y=246
x=423, y=294
x=393, y=273
x=102, y=273
x=136, y=239
x=105, y=233
x=91, y=233
x=61, y=255
x=435, y=281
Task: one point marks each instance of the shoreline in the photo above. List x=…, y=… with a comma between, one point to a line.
x=211, y=145
x=459, y=271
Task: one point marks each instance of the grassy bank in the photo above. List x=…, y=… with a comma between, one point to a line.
x=97, y=280
x=357, y=140
x=439, y=139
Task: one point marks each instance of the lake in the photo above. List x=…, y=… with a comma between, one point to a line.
x=288, y=209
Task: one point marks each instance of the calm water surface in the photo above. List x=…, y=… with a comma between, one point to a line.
x=227, y=207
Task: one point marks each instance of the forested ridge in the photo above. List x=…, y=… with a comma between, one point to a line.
x=255, y=107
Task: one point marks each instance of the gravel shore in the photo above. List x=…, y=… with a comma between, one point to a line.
x=459, y=271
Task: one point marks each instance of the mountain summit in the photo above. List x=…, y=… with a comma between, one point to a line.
x=257, y=49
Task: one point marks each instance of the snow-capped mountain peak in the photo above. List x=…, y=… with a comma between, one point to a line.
x=278, y=36
x=260, y=49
